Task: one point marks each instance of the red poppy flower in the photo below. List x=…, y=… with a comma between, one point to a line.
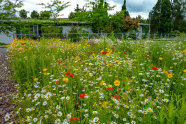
x=124, y=52
x=71, y=75
x=113, y=45
x=23, y=43
x=117, y=96
x=67, y=73
x=142, y=46
x=154, y=68
x=109, y=88
x=73, y=119
x=59, y=61
x=81, y=95
x=104, y=52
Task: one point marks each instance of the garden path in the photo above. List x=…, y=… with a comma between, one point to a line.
x=7, y=87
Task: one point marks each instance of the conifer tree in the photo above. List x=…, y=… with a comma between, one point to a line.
x=178, y=14
x=165, y=21
x=154, y=17
x=124, y=8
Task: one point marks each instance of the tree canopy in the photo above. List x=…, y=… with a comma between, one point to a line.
x=56, y=6
x=7, y=12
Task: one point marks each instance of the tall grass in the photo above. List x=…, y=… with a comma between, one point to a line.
x=99, y=82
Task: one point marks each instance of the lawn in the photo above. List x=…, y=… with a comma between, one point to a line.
x=99, y=81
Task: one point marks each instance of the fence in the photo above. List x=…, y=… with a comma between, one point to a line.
x=88, y=36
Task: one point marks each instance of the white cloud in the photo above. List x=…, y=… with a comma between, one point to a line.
x=31, y=5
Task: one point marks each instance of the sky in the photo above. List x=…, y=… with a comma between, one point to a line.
x=135, y=7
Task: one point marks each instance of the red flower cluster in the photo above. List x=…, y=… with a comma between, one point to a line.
x=81, y=95
x=104, y=52
x=113, y=45
x=23, y=43
x=117, y=96
x=73, y=119
x=154, y=68
x=109, y=88
x=59, y=61
x=69, y=74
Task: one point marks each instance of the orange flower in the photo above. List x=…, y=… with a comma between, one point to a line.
x=169, y=75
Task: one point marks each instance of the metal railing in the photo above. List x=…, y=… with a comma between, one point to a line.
x=88, y=36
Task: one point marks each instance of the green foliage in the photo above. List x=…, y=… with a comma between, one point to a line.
x=154, y=16
x=99, y=14
x=34, y=14
x=45, y=15
x=23, y=14
x=178, y=15
x=56, y=6
x=74, y=33
x=7, y=12
x=166, y=16
x=124, y=8
x=165, y=25
x=2, y=44
x=119, y=23
x=80, y=14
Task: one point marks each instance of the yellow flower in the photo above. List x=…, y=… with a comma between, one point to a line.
x=160, y=58
x=45, y=73
x=169, y=75
x=65, y=80
x=104, y=105
x=127, y=61
x=117, y=61
x=184, y=70
x=45, y=69
x=116, y=82
x=184, y=51
x=35, y=79
x=102, y=83
x=20, y=48
x=164, y=71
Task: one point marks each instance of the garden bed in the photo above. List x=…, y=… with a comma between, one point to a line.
x=99, y=82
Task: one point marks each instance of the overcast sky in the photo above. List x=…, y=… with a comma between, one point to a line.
x=135, y=7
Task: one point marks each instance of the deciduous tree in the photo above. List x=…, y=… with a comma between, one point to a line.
x=34, y=14
x=23, y=13
x=7, y=13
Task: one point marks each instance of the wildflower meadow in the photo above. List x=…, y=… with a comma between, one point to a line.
x=98, y=81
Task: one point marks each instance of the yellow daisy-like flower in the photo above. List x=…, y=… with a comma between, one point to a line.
x=165, y=71
x=116, y=82
x=45, y=73
x=45, y=69
x=65, y=80
x=184, y=70
x=160, y=58
x=105, y=104
x=20, y=48
x=169, y=75
x=117, y=61
x=102, y=83
x=35, y=79
x=184, y=51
